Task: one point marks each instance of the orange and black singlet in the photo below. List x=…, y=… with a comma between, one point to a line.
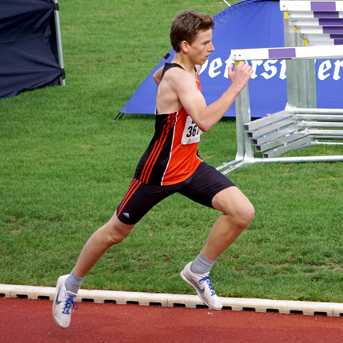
x=172, y=155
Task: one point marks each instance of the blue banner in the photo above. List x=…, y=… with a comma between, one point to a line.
x=246, y=25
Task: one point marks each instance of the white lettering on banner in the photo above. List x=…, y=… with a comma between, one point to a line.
x=215, y=64
x=270, y=68
x=267, y=68
x=338, y=65
x=323, y=68
x=254, y=65
x=283, y=70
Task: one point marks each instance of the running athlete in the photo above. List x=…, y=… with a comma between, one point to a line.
x=171, y=164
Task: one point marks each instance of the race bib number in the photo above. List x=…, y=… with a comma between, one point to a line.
x=191, y=132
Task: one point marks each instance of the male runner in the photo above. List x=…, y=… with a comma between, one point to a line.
x=171, y=164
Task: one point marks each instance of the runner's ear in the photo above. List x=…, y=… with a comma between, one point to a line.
x=184, y=46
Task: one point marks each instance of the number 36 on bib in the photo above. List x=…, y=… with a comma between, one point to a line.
x=191, y=132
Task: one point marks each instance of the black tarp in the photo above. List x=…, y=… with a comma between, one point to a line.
x=28, y=46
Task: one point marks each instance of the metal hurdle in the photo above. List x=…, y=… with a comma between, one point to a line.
x=314, y=22
x=309, y=23
x=301, y=123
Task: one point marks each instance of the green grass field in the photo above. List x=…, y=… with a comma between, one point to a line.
x=65, y=166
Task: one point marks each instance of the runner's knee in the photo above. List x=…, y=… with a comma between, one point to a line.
x=117, y=231
x=235, y=205
x=241, y=216
x=248, y=215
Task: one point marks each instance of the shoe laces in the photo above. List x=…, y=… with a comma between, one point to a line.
x=68, y=304
x=207, y=280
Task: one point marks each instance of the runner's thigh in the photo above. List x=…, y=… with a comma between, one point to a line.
x=204, y=184
x=140, y=198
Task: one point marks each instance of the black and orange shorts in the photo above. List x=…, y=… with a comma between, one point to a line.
x=201, y=187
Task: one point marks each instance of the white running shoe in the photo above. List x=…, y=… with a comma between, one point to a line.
x=203, y=286
x=63, y=304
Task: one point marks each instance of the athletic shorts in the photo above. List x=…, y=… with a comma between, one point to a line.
x=201, y=187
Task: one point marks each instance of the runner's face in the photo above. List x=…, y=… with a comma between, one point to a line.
x=201, y=48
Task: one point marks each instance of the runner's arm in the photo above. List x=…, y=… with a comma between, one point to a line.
x=194, y=102
x=158, y=75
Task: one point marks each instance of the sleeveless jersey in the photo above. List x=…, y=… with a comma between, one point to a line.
x=172, y=155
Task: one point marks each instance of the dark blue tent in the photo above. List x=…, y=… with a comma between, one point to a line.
x=245, y=25
x=29, y=50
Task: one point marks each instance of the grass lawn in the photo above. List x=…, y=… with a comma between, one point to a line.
x=65, y=166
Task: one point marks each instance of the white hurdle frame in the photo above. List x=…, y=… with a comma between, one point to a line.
x=301, y=123
x=308, y=23
x=287, y=125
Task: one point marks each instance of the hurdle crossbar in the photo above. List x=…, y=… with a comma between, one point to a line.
x=311, y=6
x=304, y=52
x=287, y=130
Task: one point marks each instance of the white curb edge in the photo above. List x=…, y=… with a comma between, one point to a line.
x=171, y=300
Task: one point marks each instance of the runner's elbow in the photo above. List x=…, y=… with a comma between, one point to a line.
x=204, y=126
x=205, y=122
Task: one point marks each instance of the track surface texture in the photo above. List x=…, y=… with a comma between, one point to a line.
x=30, y=321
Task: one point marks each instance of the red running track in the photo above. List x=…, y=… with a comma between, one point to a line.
x=30, y=321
